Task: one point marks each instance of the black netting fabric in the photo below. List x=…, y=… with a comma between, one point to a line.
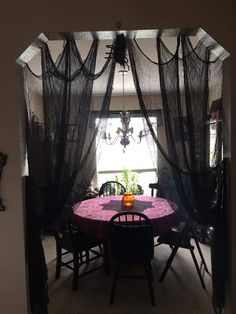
x=186, y=81
x=182, y=82
x=65, y=121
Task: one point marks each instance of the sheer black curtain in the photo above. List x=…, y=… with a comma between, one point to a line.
x=183, y=80
x=62, y=136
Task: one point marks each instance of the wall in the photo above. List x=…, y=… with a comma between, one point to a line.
x=21, y=22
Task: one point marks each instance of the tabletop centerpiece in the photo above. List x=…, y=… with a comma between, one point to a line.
x=128, y=200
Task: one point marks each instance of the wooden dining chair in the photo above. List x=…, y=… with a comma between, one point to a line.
x=110, y=188
x=155, y=189
x=131, y=241
x=181, y=238
x=82, y=249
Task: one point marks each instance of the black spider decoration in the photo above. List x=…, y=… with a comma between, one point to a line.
x=118, y=51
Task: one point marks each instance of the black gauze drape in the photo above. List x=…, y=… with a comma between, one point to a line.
x=185, y=81
x=65, y=119
x=62, y=126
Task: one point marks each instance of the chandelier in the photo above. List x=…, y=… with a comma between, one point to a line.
x=125, y=132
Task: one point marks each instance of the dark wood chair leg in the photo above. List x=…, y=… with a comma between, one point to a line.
x=81, y=257
x=113, y=289
x=201, y=255
x=87, y=257
x=58, y=263
x=198, y=269
x=148, y=269
x=75, y=271
x=100, y=248
x=106, y=258
x=168, y=263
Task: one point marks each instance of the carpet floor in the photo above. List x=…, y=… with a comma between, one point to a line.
x=180, y=292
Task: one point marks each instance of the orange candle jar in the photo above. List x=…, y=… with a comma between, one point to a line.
x=128, y=200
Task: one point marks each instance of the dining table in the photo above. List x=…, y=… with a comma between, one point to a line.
x=92, y=216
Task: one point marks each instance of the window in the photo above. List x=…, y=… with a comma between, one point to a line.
x=212, y=142
x=135, y=157
x=215, y=141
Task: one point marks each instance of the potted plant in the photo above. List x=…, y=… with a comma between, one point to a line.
x=130, y=181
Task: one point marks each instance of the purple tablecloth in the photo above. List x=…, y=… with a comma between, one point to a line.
x=92, y=216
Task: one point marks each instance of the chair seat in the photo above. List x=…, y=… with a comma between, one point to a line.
x=78, y=241
x=174, y=238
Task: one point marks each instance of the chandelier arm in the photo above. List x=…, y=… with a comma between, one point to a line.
x=135, y=141
x=112, y=142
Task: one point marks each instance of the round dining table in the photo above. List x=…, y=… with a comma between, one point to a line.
x=93, y=215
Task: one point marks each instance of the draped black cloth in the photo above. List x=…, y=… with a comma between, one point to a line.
x=66, y=117
x=62, y=132
x=64, y=124
x=185, y=79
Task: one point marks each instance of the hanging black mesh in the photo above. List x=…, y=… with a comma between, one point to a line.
x=184, y=156
x=65, y=121
x=188, y=81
